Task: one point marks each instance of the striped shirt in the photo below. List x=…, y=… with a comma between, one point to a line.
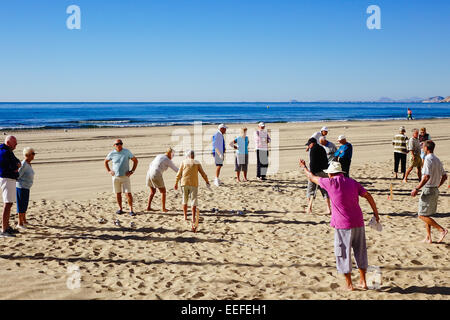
x=400, y=143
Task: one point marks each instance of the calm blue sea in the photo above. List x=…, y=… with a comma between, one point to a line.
x=94, y=115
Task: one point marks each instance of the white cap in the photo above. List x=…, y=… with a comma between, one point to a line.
x=341, y=137
x=261, y=124
x=324, y=129
x=222, y=126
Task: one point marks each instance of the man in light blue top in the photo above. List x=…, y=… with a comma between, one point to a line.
x=241, y=161
x=121, y=173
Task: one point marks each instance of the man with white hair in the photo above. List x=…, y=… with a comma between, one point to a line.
x=9, y=172
x=218, y=150
x=330, y=147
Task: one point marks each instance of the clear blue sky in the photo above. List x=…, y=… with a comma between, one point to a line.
x=223, y=50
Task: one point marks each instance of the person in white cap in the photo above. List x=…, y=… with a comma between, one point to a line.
x=322, y=133
x=344, y=154
x=218, y=150
x=262, y=140
x=347, y=219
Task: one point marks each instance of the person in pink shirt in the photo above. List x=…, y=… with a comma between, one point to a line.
x=347, y=219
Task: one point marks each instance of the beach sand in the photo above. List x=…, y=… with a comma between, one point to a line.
x=273, y=251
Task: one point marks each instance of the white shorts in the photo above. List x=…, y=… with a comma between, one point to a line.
x=121, y=184
x=8, y=190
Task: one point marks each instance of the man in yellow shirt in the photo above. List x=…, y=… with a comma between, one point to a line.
x=188, y=174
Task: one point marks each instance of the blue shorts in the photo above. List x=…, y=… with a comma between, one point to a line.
x=22, y=197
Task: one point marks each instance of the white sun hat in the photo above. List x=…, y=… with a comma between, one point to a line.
x=341, y=137
x=261, y=124
x=222, y=126
x=334, y=167
x=324, y=129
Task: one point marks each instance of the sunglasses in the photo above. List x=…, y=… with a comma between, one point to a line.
x=118, y=144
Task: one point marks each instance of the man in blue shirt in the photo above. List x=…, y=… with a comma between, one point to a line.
x=9, y=172
x=344, y=154
x=121, y=173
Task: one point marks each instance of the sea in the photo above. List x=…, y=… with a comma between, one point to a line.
x=56, y=115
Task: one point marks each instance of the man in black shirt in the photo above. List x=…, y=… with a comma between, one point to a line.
x=318, y=162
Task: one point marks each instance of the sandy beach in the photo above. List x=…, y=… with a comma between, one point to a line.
x=273, y=251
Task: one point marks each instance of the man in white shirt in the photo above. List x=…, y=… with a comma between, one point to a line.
x=433, y=176
x=322, y=133
x=154, y=179
x=218, y=144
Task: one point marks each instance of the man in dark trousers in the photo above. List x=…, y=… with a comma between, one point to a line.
x=318, y=162
x=344, y=154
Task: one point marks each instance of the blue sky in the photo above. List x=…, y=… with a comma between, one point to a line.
x=223, y=50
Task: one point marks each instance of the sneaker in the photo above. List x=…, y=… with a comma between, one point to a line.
x=7, y=234
x=119, y=212
x=21, y=227
x=11, y=230
x=216, y=182
x=132, y=214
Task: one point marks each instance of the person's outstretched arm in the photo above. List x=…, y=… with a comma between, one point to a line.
x=371, y=201
x=308, y=173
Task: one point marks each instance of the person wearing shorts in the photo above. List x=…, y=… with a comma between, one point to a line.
x=433, y=176
x=9, y=172
x=415, y=161
x=218, y=151
x=23, y=186
x=346, y=219
x=240, y=144
x=188, y=175
x=154, y=179
x=121, y=173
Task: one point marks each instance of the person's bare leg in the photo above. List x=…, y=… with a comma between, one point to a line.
x=218, y=168
x=444, y=233
x=405, y=179
x=185, y=211
x=21, y=219
x=348, y=281
x=119, y=200
x=163, y=199
x=194, y=210
x=362, y=279
x=6, y=214
x=130, y=201
x=431, y=223
x=245, y=176
x=238, y=176
x=310, y=203
x=419, y=173
x=150, y=198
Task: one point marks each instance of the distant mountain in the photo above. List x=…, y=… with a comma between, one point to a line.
x=405, y=100
x=385, y=99
x=446, y=99
x=433, y=99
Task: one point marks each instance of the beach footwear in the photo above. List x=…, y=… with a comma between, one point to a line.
x=101, y=220
x=119, y=212
x=216, y=182
x=11, y=230
x=117, y=222
x=21, y=227
x=7, y=234
x=132, y=214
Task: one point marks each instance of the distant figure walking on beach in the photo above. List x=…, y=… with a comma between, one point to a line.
x=240, y=143
x=409, y=114
x=154, y=178
x=9, y=172
x=433, y=176
x=318, y=162
x=23, y=186
x=121, y=173
x=423, y=136
x=188, y=174
x=400, y=151
x=415, y=159
x=218, y=151
x=344, y=154
x=262, y=140
x=319, y=134
x=347, y=219
x=330, y=147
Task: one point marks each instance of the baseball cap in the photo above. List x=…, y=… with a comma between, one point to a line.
x=341, y=137
x=324, y=129
x=261, y=124
x=311, y=140
x=222, y=126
